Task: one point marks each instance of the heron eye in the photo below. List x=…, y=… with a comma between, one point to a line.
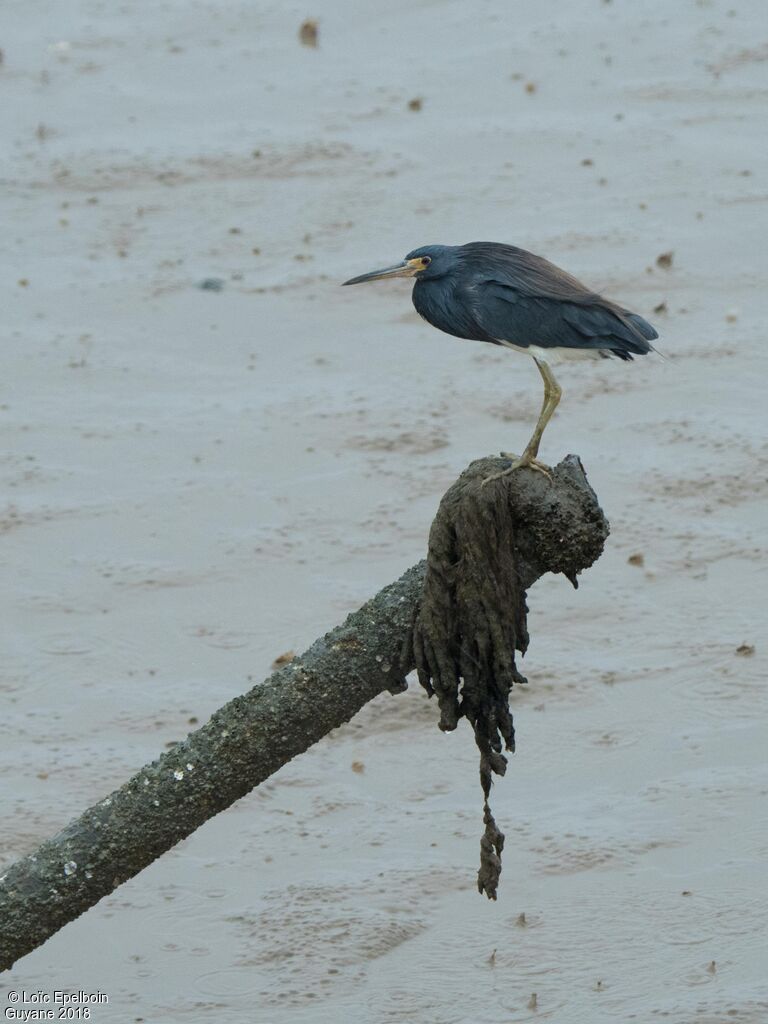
x=426, y=260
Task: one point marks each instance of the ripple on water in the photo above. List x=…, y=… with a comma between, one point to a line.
x=124, y=645
x=232, y=981
x=175, y=903
x=716, y=681
x=68, y=644
x=698, y=918
x=406, y=1006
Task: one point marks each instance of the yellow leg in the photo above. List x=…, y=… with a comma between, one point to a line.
x=552, y=395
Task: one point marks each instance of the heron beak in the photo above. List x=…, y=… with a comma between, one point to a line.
x=405, y=269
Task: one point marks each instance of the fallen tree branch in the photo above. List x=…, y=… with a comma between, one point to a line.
x=252, y=736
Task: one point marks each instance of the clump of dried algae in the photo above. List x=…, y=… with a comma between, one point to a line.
x=487, y=545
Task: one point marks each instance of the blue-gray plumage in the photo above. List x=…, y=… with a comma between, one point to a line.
x=486, y=291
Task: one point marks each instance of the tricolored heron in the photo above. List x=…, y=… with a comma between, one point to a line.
x=486, y=291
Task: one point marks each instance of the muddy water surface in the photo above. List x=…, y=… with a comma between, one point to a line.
x=196, y=480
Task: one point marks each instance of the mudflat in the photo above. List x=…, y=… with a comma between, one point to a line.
x=211, y=453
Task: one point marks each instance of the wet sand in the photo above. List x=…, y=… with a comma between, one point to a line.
x=196, y=480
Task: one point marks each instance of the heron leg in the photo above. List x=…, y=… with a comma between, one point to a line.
x=552, y=395
x=542, y=415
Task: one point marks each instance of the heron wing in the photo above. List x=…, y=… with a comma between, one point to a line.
x=524, y=299
x=525, y=272
x=583, y=320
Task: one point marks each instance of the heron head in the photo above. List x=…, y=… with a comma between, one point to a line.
x=428, y=261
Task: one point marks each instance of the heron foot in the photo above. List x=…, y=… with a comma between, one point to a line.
x=523, y=461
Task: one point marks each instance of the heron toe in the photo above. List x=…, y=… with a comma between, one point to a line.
x=520, y=462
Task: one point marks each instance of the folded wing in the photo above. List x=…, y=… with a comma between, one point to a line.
x=525, y=300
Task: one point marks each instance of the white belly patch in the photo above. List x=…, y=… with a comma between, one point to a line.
x=553, y=356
